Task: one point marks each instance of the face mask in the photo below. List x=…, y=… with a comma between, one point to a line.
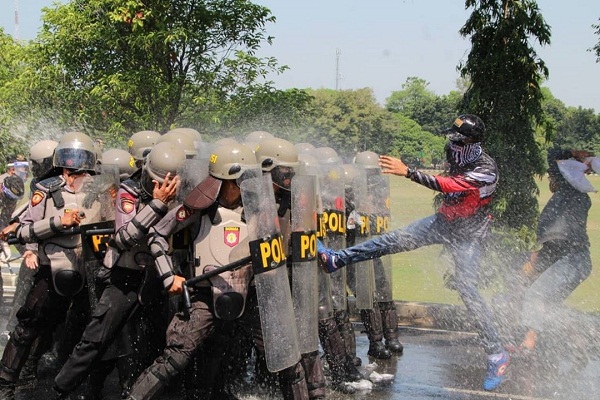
x=462, y=154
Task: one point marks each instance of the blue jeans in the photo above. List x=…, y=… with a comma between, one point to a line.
x=466, y=250
x=544, y=298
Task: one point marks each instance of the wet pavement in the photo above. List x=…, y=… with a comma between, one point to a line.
x=436, y=364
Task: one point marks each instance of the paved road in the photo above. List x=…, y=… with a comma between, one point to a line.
x=435, y=365
x=440, y=364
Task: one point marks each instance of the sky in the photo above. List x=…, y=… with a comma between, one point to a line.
x=380, y=43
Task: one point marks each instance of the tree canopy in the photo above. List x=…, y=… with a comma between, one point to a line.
x=115, y=66
x=505, y=74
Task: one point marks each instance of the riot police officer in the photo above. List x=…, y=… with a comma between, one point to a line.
x=381, y=321
x=122, y=159
x=279, y=158
x=54, y=208
x=214, y=207
x=140, y=204
x=140, y=144
x=40, y=160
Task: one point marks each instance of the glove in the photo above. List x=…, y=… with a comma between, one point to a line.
x=327, y=258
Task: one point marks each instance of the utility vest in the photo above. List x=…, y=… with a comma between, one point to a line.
x=214, y=246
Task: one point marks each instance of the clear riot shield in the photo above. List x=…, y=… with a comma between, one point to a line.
x=277, y=319
x=334, y=224
x=191, y=173
x=379, y=220
x=305, y=280
x=357, y=199
x=99, y=196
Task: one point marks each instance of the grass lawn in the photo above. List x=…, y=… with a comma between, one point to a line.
x=418, y=275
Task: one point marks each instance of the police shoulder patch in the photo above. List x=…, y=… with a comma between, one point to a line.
x=127, y=203
x=37, y=197
x=183, y=213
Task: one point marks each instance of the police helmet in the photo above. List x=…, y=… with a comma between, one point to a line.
x=326, y=155
x=367, y=159
x=276, y=152
x=13, y=187
x=140, y=143
x=231, y=161
x=228, y=162
x=184, y=139
x=304, y=147
x=76, y=151
x=122, y=159
x=257, y=136
x=40, y=156
x=165, y=158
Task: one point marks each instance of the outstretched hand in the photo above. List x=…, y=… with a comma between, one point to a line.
x=392, y=165
x=167, y=190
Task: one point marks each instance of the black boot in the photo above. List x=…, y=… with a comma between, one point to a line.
x=335, y=354
x=59, y=395
x=389, y=318
x=352, y=373
x=28, y=378
x=347, y=331
x=378, y=350
x=7, y=390
x=91, y=392
x=374, y=327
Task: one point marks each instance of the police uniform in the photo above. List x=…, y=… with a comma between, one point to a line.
x=60, y=277
x=226, y=297
x=127, y=261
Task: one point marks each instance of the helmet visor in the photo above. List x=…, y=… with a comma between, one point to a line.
x=454, y=136
x=282, y=176
x=77, y=159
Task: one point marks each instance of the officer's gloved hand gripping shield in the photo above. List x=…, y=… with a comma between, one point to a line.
x=278, y=324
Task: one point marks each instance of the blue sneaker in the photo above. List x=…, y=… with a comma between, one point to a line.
x=496, y=371
x=327, y=258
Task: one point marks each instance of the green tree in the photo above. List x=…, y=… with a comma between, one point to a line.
x=415, y=101
x=11, y=139
x=596, y=48
x=282, y=112
x=416, y=147
x=351, y=121
x=505, y=74
x=578, y=129
x=119, y=66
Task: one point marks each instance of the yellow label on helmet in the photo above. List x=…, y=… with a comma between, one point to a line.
x=130, y=143
x=213, y=158
x=458, y=122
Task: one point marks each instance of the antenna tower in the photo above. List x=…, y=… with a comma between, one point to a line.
x=338, y=76
x=16, y=19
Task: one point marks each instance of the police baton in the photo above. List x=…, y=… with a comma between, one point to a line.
x=71, y=231
x=207, y=275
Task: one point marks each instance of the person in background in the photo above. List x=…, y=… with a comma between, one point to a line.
x=563, y=261
x=12, y=190
x=461, y=224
